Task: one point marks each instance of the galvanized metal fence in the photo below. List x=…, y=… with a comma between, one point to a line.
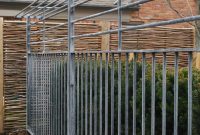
x=97, y=92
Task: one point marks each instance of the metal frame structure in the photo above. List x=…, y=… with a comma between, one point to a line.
x=59, y=96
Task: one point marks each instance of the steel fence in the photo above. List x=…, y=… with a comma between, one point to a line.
x=106, y=91
x=100, y=92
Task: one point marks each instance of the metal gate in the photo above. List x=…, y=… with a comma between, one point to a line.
x=101, y=92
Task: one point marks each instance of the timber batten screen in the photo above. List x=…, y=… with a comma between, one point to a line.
x=96, y=92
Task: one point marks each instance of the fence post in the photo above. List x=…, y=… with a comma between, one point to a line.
x=105, y=41
x=71, y=121
x=197, y=60
x=196, y=41
x=1, y=78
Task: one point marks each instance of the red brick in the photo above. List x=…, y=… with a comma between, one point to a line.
x=159, y=10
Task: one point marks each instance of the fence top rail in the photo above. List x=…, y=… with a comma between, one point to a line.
x=142, y=26
x=170, y=50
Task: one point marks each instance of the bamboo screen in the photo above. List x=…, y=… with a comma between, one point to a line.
x=15, y=56
x=157, y=38
x=15, y=64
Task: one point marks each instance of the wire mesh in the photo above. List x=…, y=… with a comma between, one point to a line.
x=46, y=104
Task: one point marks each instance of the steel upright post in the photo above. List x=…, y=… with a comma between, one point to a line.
x=119, y=64
x=28, y=29
x=27, y=65
x=71, y=72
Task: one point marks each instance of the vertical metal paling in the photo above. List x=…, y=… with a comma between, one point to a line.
x=101, y=93
x=56, y=95
x=59, y=98
x=46, y=100
x=58, y=80
x=78, y=97
x=59, y=90
x=95, y=95
x=82, y=85
x=38, y=115
x=164, y=94
x=36, y=92
x=112, y=95
x=86, y=94
x=37, y=75
x=39, y=101
x=44, y=92
x=41, y=108
x=65, y=93
x=106, y=95
x=68, y=98
x=119, y=94
x=153, y=93
x=30, y=86
x=176, y=93
x=50, y=94
x=190, y=93
x=127, y=95
x=71, y=70
x=61, y=94
x=39, y=89
x=134, y=92
x=46, y=95
x=39, y=96
x=91, y=95
x=143, y=91
x=74, y=95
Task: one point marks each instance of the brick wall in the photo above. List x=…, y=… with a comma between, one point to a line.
x=158, y=10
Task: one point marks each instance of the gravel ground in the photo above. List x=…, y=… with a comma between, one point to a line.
x=18, y=132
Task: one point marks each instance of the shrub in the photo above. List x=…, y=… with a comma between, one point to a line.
x=183, y=99
x=182, y=107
